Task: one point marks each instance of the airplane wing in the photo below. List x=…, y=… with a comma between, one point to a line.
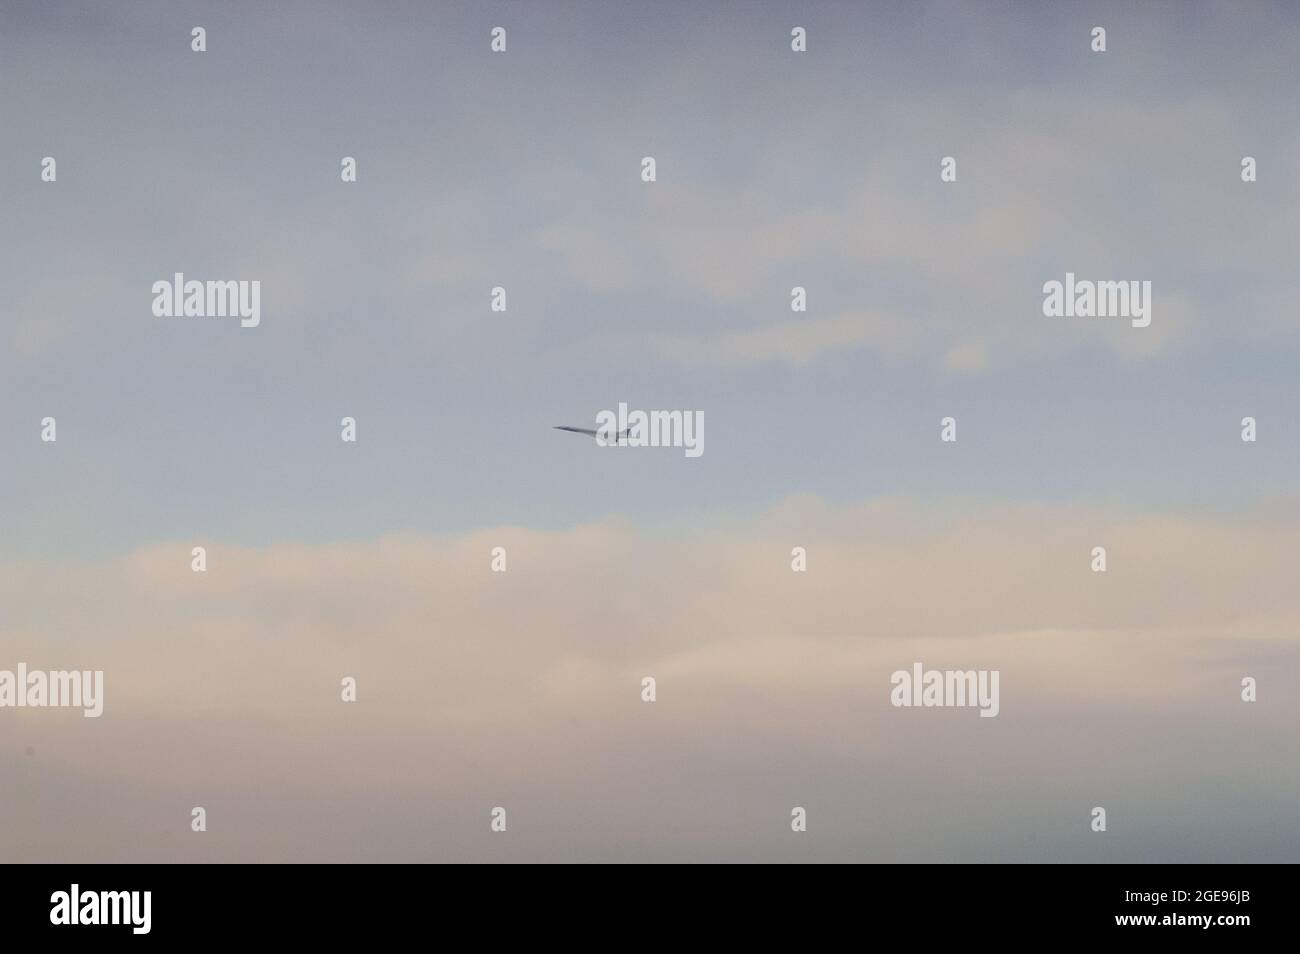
x=576, y=430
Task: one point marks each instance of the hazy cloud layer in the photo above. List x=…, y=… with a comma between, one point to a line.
x=521, y=689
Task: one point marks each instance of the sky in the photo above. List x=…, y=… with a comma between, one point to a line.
x=775, y=169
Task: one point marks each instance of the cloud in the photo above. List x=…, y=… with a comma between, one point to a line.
x=971, y=357
x=1039, y=193
x=479, y=688
x=796, y=342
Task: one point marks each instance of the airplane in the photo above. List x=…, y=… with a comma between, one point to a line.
x=622, y=437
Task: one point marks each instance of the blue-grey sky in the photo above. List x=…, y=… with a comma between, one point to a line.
x=522, y=170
